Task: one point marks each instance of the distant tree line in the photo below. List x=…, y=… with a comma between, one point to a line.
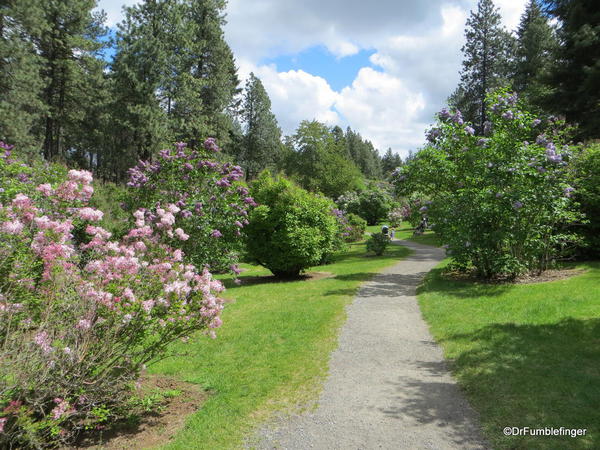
x=74, y=90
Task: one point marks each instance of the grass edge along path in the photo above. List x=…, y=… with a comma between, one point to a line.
x=526, y=355
x=273, y=350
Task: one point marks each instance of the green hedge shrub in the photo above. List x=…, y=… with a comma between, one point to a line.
x=291, y=229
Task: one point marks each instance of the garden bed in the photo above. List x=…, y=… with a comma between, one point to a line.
x=172, y=402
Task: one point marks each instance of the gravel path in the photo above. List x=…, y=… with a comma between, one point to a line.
x=388, y=385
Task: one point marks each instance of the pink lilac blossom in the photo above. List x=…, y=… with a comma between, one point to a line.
x=91, y=214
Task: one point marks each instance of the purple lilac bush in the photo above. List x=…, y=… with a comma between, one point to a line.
x=211, y=202
x=500, y=202
x=80, y=319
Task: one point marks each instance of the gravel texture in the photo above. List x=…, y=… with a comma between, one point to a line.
x=388, y=385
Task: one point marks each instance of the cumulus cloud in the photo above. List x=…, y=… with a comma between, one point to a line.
x=416, y=61
x=297, y=95
x=417, y=54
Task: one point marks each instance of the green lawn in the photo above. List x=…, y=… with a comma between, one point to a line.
x=406, y=232
x=526, y=355
x=272, y=351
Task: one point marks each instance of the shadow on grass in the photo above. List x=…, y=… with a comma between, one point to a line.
x=530, y=375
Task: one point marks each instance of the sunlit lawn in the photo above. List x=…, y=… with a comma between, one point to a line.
x=406, y=232
x=526, y=355
x=272, y=351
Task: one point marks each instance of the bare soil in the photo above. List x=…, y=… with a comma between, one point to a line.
x=548, y=275
x=156, y=428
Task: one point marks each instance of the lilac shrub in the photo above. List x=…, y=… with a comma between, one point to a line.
x=210, y=202
x=79, y=321
x=501, y=202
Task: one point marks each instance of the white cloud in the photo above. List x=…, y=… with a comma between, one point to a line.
x=385, y=109
x=114, y=9
x=417, y=49
x=296, y=95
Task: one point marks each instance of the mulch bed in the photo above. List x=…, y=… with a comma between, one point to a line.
x=548, y=275
x=156, y=428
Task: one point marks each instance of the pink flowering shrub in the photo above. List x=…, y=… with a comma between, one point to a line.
x=207, y=200
x=79, y=320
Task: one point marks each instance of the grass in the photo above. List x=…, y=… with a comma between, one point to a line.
x=526, y=355
x=405, y=232
x=272, y=351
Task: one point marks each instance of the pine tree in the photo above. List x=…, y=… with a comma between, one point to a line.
x=390, y=161
x=261, y=147
x=174, y=78
x=67, y=45
x=210, y=86
x=142, y=82
x=576, y=75
x=487, y=55
x=535, y=52
x=21, y=84
x=364, y=155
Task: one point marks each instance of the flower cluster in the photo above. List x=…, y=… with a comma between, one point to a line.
x=78, y=320
x=210, y=202
x=505, y=192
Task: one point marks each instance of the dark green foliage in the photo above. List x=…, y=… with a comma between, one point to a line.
x=372, y=204
x=362, y=153
x=586, y=168
x=21, y=84
x=261, y=144
x=389, y=162
x=487, y=54
x=377, y=243
x=68, y=46
x=319, y=162
x=535, y=55
x=291, y=230
x=576, y=75
x=50, y=74
x=174, y=79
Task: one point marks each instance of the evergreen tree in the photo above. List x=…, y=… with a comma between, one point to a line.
x=143, y=87
x=68, y=45
x=535, y=52
x=487, y=54
x=389, y=162
x=211, y=82
x=21, y=84
x=363, y=154
x=320, y=163
x=261, y=147
x=174, y=78
x=576, y=75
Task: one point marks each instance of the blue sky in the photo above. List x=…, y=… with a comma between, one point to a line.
x=382, y=67
x=338, y=71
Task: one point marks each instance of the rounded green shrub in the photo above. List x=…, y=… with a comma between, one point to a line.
x=378, y=243
x=372, y=204
x=291, y=229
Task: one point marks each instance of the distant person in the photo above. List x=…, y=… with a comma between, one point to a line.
x=392, y=233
